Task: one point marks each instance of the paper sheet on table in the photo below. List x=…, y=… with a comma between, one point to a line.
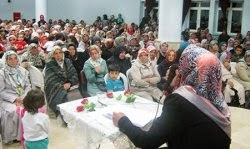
x=138, y=117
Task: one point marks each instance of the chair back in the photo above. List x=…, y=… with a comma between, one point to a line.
x=83, y=84
x=122, y=76
x=36, y=77
x=1, y=63
x=129, y=78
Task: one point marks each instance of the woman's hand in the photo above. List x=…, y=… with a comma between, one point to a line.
x=230, y=83
x=98, y=69
x=19, y=101
x=147, y=80
x=66, y=86
x=116, y=117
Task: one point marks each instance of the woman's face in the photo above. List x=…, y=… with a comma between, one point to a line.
x=223, y=47
x=238, y=51
x=231, y=43
x=152, y=54
x=72, y=50
x=12, y=60
x=143, y=57
x=164, y=47
x=12, y=40
x=94, y=54
x=58, y=55
x=122, y=42
x=247, y=59
x=133, y=42
x=122, y=55
x=85, y=38
x=34, y=51
x=98, y=43
x=215, y=47
x=171, y=56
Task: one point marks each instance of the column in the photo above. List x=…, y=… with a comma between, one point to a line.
x=245, y=26
x=170, y=21
x=212, y=13
x=41, y=9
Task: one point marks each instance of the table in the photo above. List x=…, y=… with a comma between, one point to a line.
x=92, y=129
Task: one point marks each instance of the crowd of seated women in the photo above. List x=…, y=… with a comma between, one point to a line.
x=62, y=51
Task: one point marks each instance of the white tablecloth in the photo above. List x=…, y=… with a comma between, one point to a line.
x=92, y=129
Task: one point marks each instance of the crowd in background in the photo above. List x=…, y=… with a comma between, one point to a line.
x=63, y=49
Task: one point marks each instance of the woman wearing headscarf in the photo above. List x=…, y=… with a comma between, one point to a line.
x=144, y=77
x=120, y=59
x=77, y=58
x=108, y=49
x=243, y=70
x=133, y=47
x=33, y=56
x=61, y=80
x=230, y=82
x=195, y=116
x=153, y=54
x=14, y=86
x=95, y=68
x=230, y=44
x=162, y=50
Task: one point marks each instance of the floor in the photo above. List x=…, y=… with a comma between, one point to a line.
x=60, y=137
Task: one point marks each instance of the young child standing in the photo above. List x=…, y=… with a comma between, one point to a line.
x=114, y=83
x=35, y=123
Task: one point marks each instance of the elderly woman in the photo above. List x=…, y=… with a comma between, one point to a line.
x=61, y=80
x=14, y=86
x=243, y=70
x=33, y=56
x=195, y=109
x=95, y=68
x=231, y=82
x=144, y=77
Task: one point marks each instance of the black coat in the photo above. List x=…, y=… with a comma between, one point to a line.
x=181, y=125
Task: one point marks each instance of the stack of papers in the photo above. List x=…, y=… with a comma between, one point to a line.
x=137, y=116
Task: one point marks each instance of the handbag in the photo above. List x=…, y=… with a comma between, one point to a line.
x=235, y=99
x=101, y=86
x=74, y=93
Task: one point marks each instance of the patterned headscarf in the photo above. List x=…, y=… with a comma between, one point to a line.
x=201, y=69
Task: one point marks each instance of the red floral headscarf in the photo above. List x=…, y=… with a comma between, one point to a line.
x=201, y=69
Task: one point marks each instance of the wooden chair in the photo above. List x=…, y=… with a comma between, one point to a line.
x=83, y=85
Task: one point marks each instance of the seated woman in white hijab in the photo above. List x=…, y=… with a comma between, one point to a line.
x=230, y=81
x=61, y=80
x=144, y=77
x=14, y=86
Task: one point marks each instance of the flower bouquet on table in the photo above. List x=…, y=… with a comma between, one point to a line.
x=109, y=94
x=86, y=105
x=130, y=96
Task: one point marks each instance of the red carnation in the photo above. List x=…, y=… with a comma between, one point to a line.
x=85, y=100
x=109, y=95
x=79, y=108
x=127, y=92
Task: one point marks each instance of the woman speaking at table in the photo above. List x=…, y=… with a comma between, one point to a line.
x=194, y=116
